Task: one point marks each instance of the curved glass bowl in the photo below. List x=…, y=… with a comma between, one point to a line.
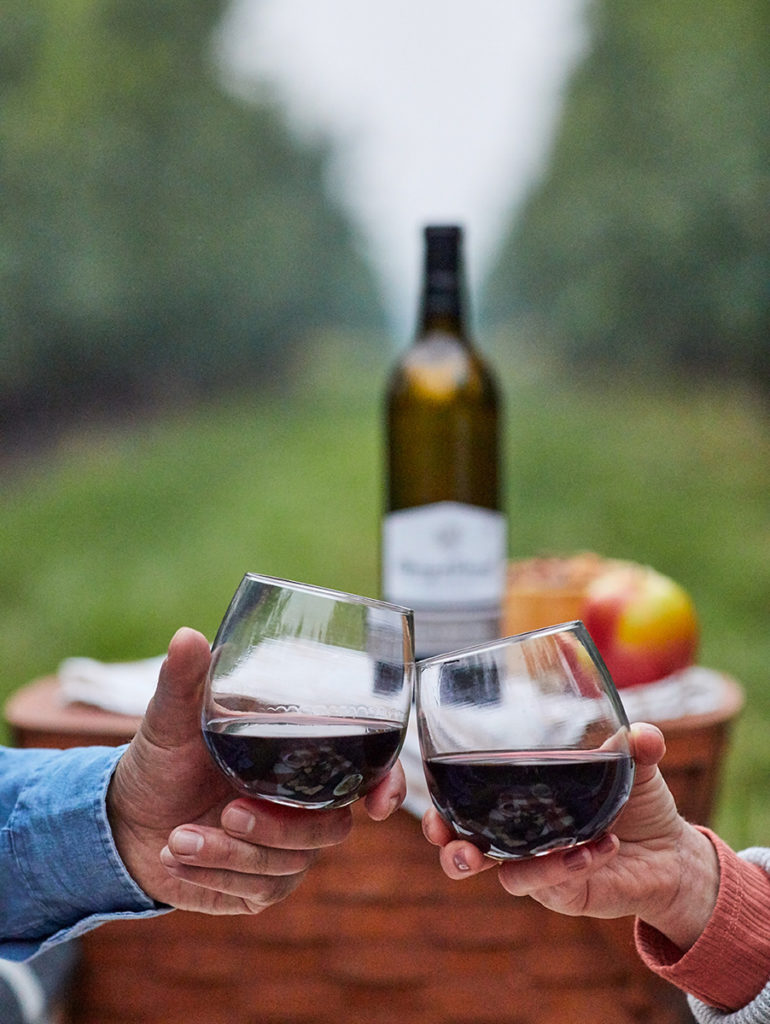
x=308, y=693
x=524, y=742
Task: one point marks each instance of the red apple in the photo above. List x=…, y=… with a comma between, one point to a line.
x=643, y=623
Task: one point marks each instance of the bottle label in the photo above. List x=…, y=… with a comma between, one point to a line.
x=447, y=562
x=447, y=629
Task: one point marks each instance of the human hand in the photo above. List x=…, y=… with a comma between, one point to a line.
x=184, y=835
x=652, y=864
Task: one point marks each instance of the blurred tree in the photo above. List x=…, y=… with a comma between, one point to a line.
x=647, y=242
x=153, y=228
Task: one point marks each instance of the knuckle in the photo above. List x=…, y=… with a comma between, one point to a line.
x=332, y=830
x=272, y=863
x=273, y=889
x=258, y=859
x=315, y=831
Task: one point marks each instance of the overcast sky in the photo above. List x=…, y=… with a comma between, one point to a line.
x=438, y=110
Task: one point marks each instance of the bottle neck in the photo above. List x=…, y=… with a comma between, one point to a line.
x=442, y=306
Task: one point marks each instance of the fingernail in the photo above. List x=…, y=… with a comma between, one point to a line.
x=238, y=819
x=576, y=860
x=185, y=842
x=605, y=844
x=460, y=862
x=395, y=803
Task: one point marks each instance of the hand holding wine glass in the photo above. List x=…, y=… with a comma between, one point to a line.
x=651, y=864
x=184, y=834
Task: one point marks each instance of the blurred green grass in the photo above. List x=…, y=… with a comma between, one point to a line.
x=120, y=533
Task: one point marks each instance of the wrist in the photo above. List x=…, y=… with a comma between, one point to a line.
x=123, y=836
x=683, y=917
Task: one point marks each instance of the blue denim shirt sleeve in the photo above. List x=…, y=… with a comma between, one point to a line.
x=60, y=872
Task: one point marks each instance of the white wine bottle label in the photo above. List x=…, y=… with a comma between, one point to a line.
x=447, y=562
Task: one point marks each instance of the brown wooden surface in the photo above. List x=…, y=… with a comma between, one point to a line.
x=39, y=716
x=376, y=934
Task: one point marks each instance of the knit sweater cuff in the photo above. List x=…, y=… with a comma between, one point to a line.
x=729, y=964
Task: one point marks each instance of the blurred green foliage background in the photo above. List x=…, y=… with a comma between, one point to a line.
x=646, y=243
x=154, y=229
x=193, y=353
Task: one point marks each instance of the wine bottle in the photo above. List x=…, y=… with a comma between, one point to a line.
x=444, y=534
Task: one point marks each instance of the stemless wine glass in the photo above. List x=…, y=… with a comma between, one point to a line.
x=309, y=691
x=524, y=742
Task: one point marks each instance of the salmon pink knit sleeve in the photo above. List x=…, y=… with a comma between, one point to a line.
x=729, y=965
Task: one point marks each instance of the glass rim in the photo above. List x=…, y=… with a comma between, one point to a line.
x=572, y=626
x=328, y=592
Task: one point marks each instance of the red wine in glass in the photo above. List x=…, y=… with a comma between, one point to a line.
x=514, y=804
x=303, y=760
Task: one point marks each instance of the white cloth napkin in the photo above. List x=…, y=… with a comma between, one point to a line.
x=126, y=687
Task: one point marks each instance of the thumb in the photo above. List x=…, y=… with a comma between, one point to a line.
x=648, y=747
x=173, y=715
